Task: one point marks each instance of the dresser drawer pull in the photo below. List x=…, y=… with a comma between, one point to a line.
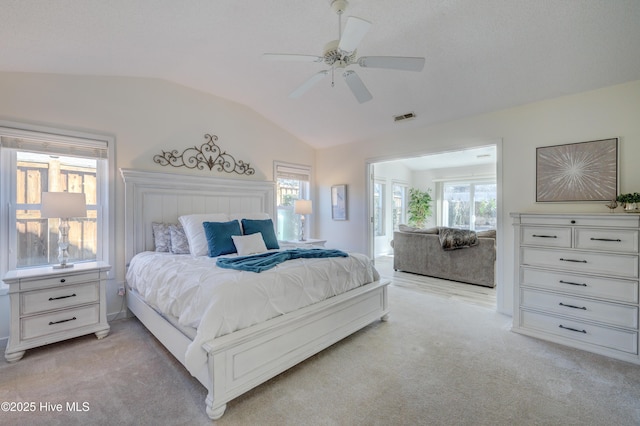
x=573, y=329
x=572, y=306
x=544, y=236
x=61, y=321
x=607, y=239
x=573, y=260
x=570, y=283
x=62, y=280
x=62, y=297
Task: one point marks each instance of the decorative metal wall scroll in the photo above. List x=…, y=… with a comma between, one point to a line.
x=209, y=154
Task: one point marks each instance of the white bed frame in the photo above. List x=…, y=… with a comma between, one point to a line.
x=239, y=361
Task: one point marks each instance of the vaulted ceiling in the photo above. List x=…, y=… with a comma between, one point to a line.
x=480, y=55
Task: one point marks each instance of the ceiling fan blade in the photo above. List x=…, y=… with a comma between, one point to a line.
x=291, y=57
x=308, y=84
x=354, y=32
x=357, y=86
x=392, y=62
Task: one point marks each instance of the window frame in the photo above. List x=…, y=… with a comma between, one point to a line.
x=404, y=204
x=472, y=182
x=303, y=170
x=64, y=137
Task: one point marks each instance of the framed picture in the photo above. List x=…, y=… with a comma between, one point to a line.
x=339, y=202
x=584, y=171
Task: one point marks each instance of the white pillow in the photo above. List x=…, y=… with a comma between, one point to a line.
x=193, y=229
x=249, y=244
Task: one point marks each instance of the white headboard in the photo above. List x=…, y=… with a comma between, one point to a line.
x=163, y=197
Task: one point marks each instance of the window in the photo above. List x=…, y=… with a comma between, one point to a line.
x=379, y=189
x=40, y=161
x=399, y=192
x=293, y=182
x=469, y=205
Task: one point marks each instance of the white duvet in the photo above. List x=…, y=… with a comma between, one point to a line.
x=217, y=301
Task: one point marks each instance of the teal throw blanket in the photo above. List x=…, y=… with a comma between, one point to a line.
x=264, y=261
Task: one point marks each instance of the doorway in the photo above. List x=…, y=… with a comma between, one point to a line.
x=464, y=185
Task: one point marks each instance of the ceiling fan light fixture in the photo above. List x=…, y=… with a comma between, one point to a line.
x=339, y=6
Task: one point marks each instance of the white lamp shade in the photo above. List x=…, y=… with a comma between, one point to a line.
x=302, y=207
x=63, y=205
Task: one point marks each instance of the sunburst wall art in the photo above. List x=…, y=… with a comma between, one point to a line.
x=584, y=171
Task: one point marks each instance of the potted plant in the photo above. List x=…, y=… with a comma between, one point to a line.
x=629, y=201
x=419, y=207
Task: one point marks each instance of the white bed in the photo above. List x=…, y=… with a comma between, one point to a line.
x=235, y=361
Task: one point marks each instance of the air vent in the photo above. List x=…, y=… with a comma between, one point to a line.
x=407, y=116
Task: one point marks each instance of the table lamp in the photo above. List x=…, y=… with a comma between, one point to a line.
x=302, y=207
x=63, y=205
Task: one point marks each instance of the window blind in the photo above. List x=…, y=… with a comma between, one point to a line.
x=61, y=145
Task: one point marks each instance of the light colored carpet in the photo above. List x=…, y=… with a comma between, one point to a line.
x=435, y=362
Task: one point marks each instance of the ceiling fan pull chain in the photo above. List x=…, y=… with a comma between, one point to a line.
x=333, y=83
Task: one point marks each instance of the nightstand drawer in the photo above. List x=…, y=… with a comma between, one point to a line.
x=42, y=325
x=618, y=265
x=619, y=240
x=546, y=236
x=585, y=309
x=57, y=280
x=582, y=285
x=617, y=339
x=58, y=298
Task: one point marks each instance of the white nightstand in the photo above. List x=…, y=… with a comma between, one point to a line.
x=49, y=305
x=309, y=242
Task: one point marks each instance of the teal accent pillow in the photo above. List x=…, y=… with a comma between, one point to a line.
x=265, y=226
x=219, y=236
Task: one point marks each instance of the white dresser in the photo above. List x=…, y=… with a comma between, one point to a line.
x=576, y=280
x=49, y=305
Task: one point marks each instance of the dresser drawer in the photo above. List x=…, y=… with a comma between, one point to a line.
x=42, y=325
x=620, y=240
x=599, y=221
x=581, y=285
x=617, y=265
x=546, y=236
x=57, y=280
x=32, y=302
x=617, y=339
x=584, y=309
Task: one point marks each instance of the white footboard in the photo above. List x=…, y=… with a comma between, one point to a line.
x=242, y=360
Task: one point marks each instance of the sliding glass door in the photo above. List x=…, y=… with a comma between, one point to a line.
x=469, y=205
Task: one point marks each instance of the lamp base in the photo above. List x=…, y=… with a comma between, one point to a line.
x=61, y=266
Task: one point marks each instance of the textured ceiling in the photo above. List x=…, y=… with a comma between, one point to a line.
x=480, y=55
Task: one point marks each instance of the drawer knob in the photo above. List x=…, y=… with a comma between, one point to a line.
x=572, y=306
x=61, y=321
x=573, y=221
x=62, y=297
x=573, y=329
x=62, y=280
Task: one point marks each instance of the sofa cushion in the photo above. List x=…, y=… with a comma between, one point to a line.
x=407, y=228
x=489, y=233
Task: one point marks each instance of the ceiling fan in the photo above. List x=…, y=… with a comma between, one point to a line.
x=341, y=53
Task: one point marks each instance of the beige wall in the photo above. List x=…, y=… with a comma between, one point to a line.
x=145, y=116
x=604, y=113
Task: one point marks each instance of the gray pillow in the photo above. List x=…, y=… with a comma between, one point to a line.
x=179, y=242
x=161, y=236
